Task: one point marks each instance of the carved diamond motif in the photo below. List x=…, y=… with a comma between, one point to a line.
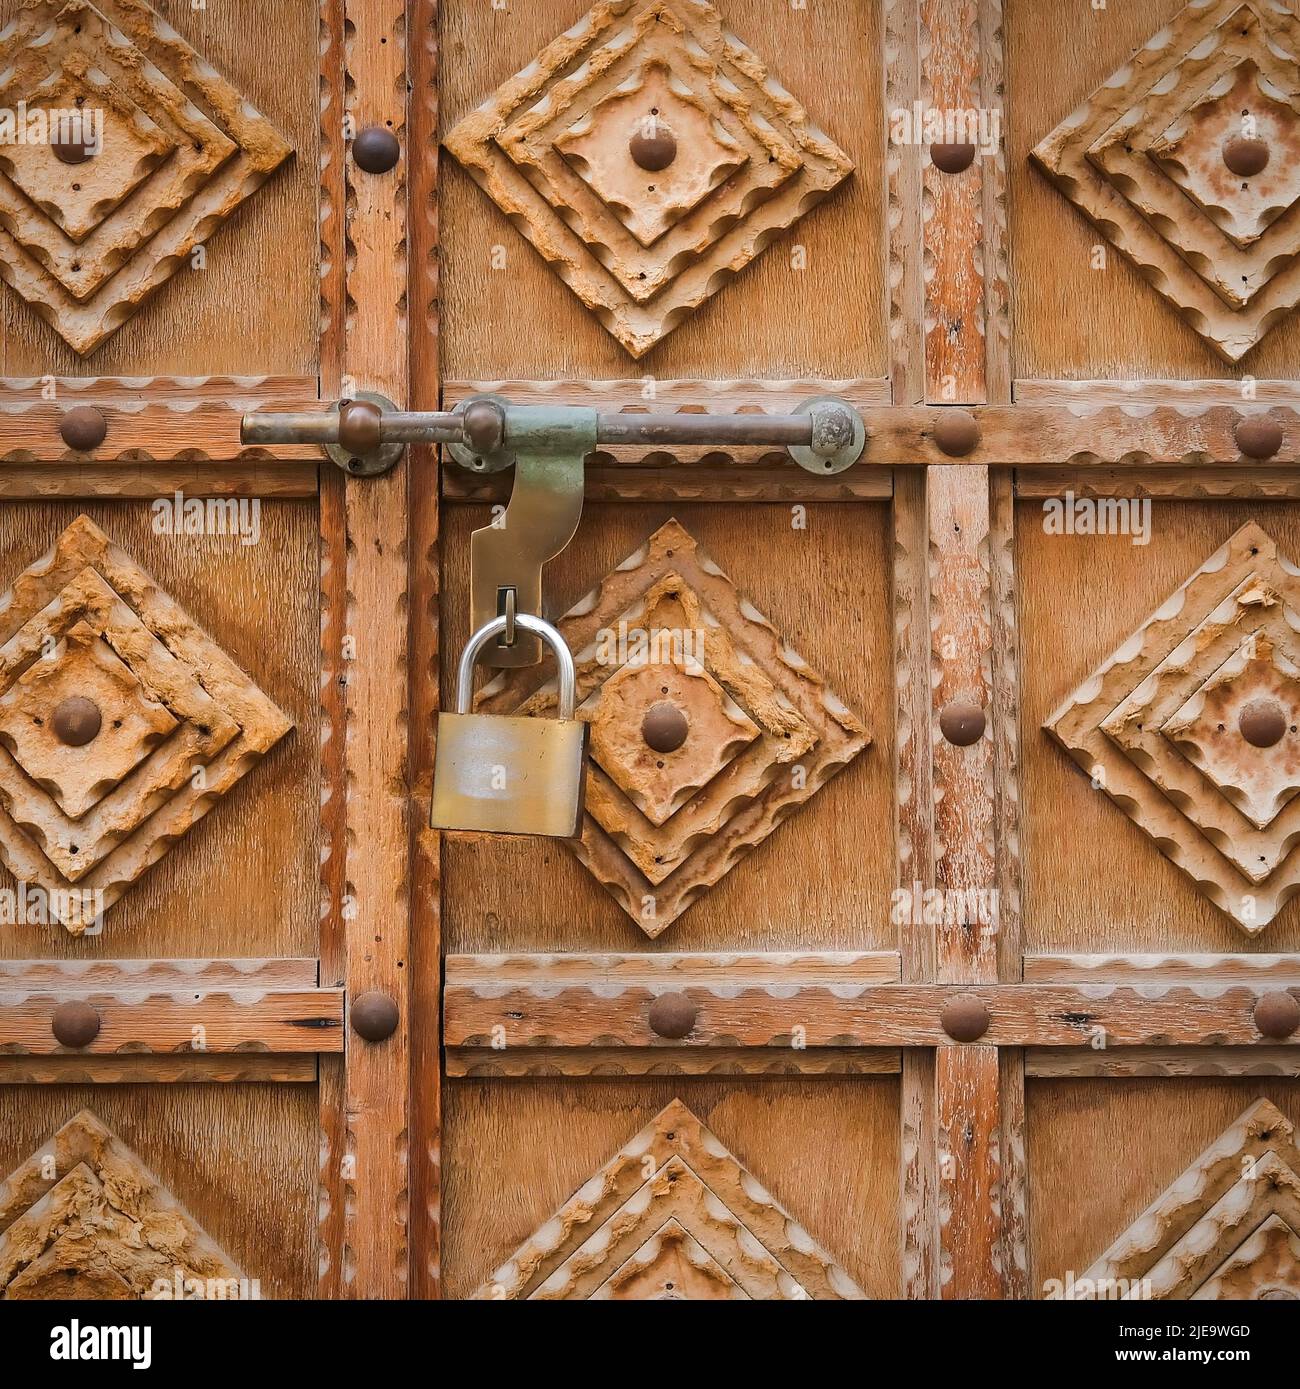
x=1162, y=727
x=85, y=244
x=179, y=724
x=642, y=247
x=84, y=1218
x=1229, y=1227
x=1143, y=158
x=763, y=733
x=672, y=1216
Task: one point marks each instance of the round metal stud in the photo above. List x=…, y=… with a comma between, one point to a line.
x=952, y=159
x=653, y=147
x=359, y=425
x=376, y=150
x=956, y=432
x=72, y=151
x=1245, y=157
x=83, y=428
x=1258, y=436
x=672, y=1016
x=75, y=1024
x=965, y=1018
x=77, y=721
x=961, y=722
x=1277, y=1014
x=373, y=1015
x=485, y=425
x=665, y=727
x=1262, y=723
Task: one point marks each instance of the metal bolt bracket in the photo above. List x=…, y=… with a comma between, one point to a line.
x=838, y=436
x=369, y=461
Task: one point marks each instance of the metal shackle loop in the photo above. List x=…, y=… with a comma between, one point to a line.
x=567, y=671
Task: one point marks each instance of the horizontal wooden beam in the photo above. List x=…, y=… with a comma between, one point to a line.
x=504, y=1002
x=1276, y=971
x=577, y=1063
x=1124, y=1063
x=147, y=1068
x=783, y=483
x=189, y=1007
x=161, y=419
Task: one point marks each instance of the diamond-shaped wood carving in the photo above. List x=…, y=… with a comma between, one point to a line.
x=1191, y=727
x=181, y=149
x=1147, y=156
x=174, y=724
x=1229, y=1227
x=648, y=155
x=84, y=1218
x=667, y=632
x=673, y=1216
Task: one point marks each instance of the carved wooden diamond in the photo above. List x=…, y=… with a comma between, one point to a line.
x=1191, y=728
x=84, y=1218
x=672, y=1216
x=174, y=724
x=647, y=154
x=1229, y=1227
x=1144, y=158
x=85, y=244
x=668, y=637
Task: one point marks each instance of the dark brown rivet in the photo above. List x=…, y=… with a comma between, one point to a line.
x=956, y=432
x=1245, y=157
x=359, y=426
x=74, y=151
x=75, y=1024
x=374, y=1016
x=653, y=147
x=965, y=1018
x=484, y=426
x=1262, y=723
x=77, y=721
x=1277, y=1014
x=376, y=150
x=83, y=428
x=672, y=1015
x=961, y=722
x=1258, y=437
x=664, y=727
x=952, y=159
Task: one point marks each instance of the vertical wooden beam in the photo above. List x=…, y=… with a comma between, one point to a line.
x=426, y=942
x=954, y=284
x=365, y=1178
x=902, y=63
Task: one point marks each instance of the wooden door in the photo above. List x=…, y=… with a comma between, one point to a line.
x=921, y=962
x=203, y=836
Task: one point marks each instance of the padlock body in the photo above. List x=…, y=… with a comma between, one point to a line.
x=509, y=775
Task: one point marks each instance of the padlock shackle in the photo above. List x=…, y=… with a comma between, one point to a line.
x=567, y=671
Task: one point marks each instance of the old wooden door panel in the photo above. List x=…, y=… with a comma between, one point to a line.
x=518, y=1150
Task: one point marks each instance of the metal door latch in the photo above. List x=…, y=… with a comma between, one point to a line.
x=547, y=446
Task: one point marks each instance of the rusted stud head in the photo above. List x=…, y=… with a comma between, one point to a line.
x=76, y=721
x=74, y=151
x=376, y=150
x=374, y=1015
x=75, y=1024
x=1245, y=157
x=83, y=428
x=952, y=159
x=672, y=1016
x=665, y=727
x=653, y=147
x=359, y=426
x=961, y=722
x=965, y=1018
x=1277, y=1014
x=956, y=432
x=1258, y=437
x=1262, y=723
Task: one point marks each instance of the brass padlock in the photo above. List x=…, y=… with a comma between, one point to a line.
x=505, y=775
